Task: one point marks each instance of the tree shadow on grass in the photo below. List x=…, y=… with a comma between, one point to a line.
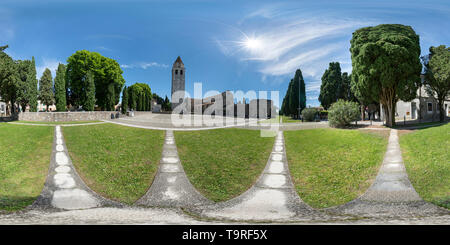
x=15, y=203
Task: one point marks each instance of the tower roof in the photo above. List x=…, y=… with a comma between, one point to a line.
x=178, y=61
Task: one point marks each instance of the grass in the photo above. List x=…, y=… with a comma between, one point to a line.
x=426, y=154
x=331, y=167
x=115, y=161
x=223, y=163
x=56, y=123
x=400, y=125
x=25, y=157
x=283, y=119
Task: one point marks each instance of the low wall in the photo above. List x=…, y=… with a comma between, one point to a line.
x=65, y=116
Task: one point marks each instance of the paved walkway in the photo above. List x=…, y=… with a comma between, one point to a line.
x=64, y=189
x=171, y=187
x=392, y=194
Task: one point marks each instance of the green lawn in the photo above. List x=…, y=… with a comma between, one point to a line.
x=25, y=153
x=115, y=161
x=56, y=123
x=426, y=154
x=282, y=119
x=330, y=167
x=223, y=163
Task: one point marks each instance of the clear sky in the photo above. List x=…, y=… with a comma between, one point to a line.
x=225, y=45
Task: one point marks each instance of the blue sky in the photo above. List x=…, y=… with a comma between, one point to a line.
x=225, y=45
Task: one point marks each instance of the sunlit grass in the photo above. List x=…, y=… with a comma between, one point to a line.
x=115, y=161
x=330, y=167
x=223, y=163
x=25, y=153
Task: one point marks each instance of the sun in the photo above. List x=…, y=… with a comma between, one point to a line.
x=253, y=44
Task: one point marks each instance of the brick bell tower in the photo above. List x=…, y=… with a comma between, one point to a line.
x=178, y=81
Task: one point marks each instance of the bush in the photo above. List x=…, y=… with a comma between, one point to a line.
x=323, y=114
x=309, y=114
x=342, y=113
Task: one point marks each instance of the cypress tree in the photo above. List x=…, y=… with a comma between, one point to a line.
x=125, y=100
x=302, y=94
x=33, y=83
x=331, y=87
x=46, y=89
x=286, y=107
x=110, y=98
x=89, y=100
x=60, y=88
x=294, y=98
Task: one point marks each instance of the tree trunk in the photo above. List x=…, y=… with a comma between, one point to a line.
x=441, y=110
x=363, y=115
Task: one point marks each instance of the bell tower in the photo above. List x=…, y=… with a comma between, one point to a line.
x=178, y=82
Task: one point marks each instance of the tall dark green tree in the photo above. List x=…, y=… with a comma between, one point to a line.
x=125, y=100
x=285, y=106
x=89, y=93
x=46, y=94
x=110, y=100
x=33, y=83
x=8, y=79
x=294, y=98
x=437, y=76
x=60, y=88
x=386, y=65
x=302, y=94
x=167, y=104
x=23, y=83
x=331, y=87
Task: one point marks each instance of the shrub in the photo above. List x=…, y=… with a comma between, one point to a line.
x=309, y=114
x=342, y=113
x=323, y=114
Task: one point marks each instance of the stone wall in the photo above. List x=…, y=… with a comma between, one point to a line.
x=65, y=116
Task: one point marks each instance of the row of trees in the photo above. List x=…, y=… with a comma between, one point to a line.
x=137, y=97
x=386, y=68
x=295, y=99
x=18, y=83
x=89, y=79
x=165, y=103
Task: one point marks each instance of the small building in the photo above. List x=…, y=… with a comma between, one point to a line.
x=423, y=107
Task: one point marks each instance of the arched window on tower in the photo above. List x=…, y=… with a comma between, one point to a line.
x=176, y=72
x=181, y=72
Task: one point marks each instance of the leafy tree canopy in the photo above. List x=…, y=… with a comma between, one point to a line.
x=107, y=76
x=386, y=65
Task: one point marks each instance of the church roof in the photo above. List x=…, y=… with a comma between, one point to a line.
x=178, y=61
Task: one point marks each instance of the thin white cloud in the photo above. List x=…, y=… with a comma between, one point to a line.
x=49, y=63
x=144, y=65
x=290, y=40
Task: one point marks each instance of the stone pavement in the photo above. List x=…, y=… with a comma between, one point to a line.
x=392, y=194
x=171, y=187
x=64, y=189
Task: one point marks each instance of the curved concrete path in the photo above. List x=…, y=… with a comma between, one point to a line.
x=392, y=194
x=171, y=187
x=64, y=189
x=271, y=199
